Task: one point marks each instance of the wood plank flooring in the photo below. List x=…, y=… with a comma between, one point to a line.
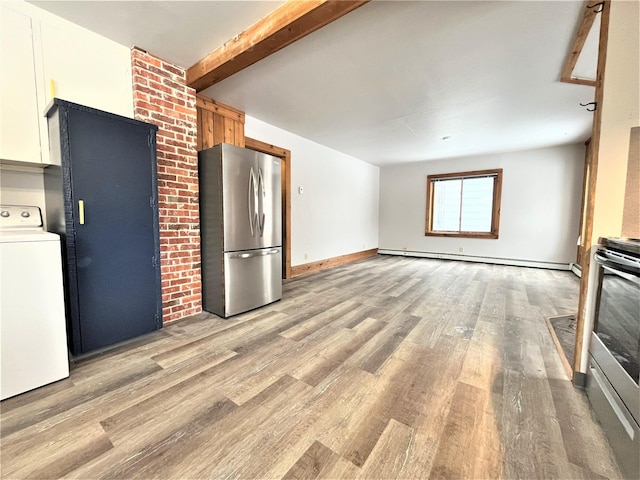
x=392, y=367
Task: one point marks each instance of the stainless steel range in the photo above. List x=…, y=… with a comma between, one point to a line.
x=613, y=376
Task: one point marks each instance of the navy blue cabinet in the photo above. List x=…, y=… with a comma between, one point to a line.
x=101, y=197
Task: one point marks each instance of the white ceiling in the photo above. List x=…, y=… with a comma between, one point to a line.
x=179, y=31
x=387, y=82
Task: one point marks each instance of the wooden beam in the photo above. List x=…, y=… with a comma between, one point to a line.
x=591, y=192
x=576, y=49
x=289, y=22
x=581, y=81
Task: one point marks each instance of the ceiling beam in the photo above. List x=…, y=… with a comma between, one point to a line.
x=286, y=24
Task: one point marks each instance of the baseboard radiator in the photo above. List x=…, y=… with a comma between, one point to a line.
x=477, y=259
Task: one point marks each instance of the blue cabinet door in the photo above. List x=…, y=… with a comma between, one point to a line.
x=110, y=191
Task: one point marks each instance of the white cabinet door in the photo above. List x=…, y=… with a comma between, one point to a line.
x=19, y=123
x=85, y=68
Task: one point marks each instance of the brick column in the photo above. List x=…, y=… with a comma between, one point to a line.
x=161, y=97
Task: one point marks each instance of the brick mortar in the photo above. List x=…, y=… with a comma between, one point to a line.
x=161, y=97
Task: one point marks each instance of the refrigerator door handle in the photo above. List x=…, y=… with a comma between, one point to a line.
x=263, y=253
x=251, y=201
x=261, y=195
x=242, y=255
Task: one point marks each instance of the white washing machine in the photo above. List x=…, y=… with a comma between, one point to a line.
x=33, y=335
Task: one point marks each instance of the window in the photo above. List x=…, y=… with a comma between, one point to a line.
x=465, y=204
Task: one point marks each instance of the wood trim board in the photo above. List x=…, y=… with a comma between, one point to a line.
x=580, y=81
x=285, y=165
x=319, y=265
x=585, y=185
x=220, y=108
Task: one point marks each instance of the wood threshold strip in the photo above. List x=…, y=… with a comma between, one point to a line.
x=313, y=267
x=556, y=341
x=290, y=22
x=576, y=49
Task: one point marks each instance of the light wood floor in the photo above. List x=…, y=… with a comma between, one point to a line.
x=389, y=368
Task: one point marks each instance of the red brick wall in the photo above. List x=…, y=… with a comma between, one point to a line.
x=161, y=97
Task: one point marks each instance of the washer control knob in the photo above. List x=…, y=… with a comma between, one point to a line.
x=4, y=214
x=25, y=214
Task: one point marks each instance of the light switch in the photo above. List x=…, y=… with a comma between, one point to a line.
x=300, y=190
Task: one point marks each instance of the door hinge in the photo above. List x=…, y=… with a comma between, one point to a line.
x=150, y=138
x=157, y=320
x=154, y=261
x=152, y=201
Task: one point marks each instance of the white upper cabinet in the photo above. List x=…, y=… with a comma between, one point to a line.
x=82, y=67
x=43, y=56
x=19, y=122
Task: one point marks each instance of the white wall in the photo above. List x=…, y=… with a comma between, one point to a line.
x=338, y=212
x=22, y=187
x=539, y=220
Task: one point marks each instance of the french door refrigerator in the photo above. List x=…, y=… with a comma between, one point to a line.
x=240, y=229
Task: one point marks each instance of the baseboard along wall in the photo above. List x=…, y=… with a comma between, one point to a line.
x=312, y=267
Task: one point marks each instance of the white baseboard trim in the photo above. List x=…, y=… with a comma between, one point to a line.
x=470, y=258
x=576, y=269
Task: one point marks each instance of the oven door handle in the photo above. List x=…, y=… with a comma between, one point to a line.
x=615, y=258
x=601, y=259
x=614, y=268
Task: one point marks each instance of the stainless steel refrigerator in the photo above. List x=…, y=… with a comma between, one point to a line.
x=240, y=229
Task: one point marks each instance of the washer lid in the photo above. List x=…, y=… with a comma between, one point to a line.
x=21, y=236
